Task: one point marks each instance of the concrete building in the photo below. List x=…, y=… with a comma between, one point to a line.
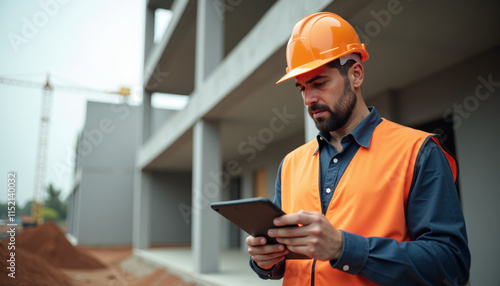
x=100, y=206
x=433, y=65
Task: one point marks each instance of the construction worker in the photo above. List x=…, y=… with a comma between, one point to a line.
x=375, y=201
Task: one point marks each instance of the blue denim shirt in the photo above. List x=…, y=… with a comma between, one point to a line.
x=437, y=253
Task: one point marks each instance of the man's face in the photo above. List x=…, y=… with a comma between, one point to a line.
x=328, y=96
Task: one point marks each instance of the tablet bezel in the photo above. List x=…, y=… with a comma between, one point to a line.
x=254, y=216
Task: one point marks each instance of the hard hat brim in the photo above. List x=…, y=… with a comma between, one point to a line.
x=317, y=63
x=303, y=69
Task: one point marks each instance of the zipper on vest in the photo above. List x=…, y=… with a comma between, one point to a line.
x=312, y=272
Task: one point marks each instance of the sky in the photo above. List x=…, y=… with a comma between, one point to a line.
x=80, y=43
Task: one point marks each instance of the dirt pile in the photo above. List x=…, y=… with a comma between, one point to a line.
x=161, y=278
x=43, y=256
x=50, y=243
x=30, y=269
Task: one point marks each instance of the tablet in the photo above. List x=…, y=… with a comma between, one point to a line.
x=254, y=216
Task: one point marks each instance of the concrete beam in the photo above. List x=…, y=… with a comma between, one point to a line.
x=163, y=4
x=268, y=35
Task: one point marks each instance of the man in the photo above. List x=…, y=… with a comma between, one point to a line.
x=375, y=202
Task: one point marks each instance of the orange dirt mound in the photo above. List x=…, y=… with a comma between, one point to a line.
x=29, y=270
x=50, y=243
x=161, y=278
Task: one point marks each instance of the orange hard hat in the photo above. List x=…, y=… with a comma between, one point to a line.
x=318, y=39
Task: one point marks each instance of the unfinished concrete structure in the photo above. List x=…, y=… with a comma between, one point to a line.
x=433, y=65
x=100, y=205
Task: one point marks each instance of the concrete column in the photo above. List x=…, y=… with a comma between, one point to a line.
x=149, y=31
x=247, y=191
x=209, y=40
x=149, y=24
x=309, y=126
x=206, y=223
x=141, y=221
x=146, y=117
x=141, y=201
x=207, y=157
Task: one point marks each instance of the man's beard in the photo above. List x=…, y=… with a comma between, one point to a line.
x=343, y=111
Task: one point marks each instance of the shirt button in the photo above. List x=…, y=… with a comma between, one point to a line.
x=345, y=268
x=335, y=160
x=328, y=190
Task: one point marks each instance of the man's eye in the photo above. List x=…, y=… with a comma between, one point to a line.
x=318, y=84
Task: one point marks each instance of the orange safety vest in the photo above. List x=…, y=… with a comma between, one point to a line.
x=369, y=200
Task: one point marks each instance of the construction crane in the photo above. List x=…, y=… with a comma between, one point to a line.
x=37, y=204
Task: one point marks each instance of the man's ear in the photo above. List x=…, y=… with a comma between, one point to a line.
x=357, y=74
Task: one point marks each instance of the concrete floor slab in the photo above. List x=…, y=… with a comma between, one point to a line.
x=234, y=269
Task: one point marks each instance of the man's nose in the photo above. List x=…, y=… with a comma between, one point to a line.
x=310, y=97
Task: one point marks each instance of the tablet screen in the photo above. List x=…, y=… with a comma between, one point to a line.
x=254, y=216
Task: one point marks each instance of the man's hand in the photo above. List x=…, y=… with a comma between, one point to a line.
x=265, y=255
x=315, y=237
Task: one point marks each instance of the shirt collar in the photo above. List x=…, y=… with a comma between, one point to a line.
x=362, y=134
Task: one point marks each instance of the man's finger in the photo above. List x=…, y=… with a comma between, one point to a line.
x=255, y=241
x=295, y=241
x=293, y=231
x=266, y=249
x=267, y=255
x=300, y=218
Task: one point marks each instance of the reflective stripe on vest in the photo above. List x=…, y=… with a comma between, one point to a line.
x=369, y=200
